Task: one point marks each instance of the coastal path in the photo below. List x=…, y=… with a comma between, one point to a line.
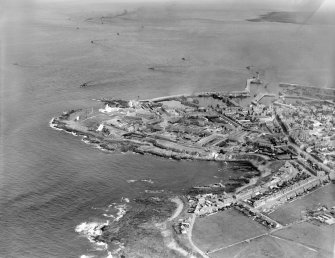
x=189, y=236
x=180, y=206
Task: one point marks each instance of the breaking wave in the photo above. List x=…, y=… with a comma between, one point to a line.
x=91, y=230
x=121, y=211
x=150, y=181
x=53, y=126
x=154, y=191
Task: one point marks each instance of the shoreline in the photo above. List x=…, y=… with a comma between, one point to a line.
x=100, y=143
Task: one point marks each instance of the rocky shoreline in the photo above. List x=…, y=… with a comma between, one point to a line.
x=124, y=145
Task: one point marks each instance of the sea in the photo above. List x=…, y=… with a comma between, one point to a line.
x=54, y=188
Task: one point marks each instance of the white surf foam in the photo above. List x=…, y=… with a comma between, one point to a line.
x=101, y=246
x=154, y=191
x=84, y=137
x=53, y=126
x=148, y=181
x=125, y=199
x=93, y=229
x=109, y=255
x=120, y=208
x=89, y=228
x=97, y=146
x=121, y=211
x=85, y=141
x=108, y=215
x=86, y=256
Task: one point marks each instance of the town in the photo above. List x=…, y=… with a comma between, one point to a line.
x=286, y=137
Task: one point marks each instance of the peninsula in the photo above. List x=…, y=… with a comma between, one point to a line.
x=287, y=135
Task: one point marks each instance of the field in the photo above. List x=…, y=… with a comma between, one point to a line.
x=291, y=212
x=300, y=240
x=321, y=238
x=266, y=247
x=223, y=229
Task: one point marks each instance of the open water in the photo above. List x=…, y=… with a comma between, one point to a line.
x=52, y=184
x=51, y=181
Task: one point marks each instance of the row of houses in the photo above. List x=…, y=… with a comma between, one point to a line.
x=205, y=204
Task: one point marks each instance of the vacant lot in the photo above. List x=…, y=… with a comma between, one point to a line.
x=292, y=211
x=223, y=229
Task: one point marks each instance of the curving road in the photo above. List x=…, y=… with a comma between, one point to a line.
x=189, y=236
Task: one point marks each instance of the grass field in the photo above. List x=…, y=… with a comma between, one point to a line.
x=320, y=238
x=266, y=247
x=223, y=229
x=292, y=211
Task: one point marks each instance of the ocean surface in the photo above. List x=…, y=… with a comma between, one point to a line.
x=52, y=183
